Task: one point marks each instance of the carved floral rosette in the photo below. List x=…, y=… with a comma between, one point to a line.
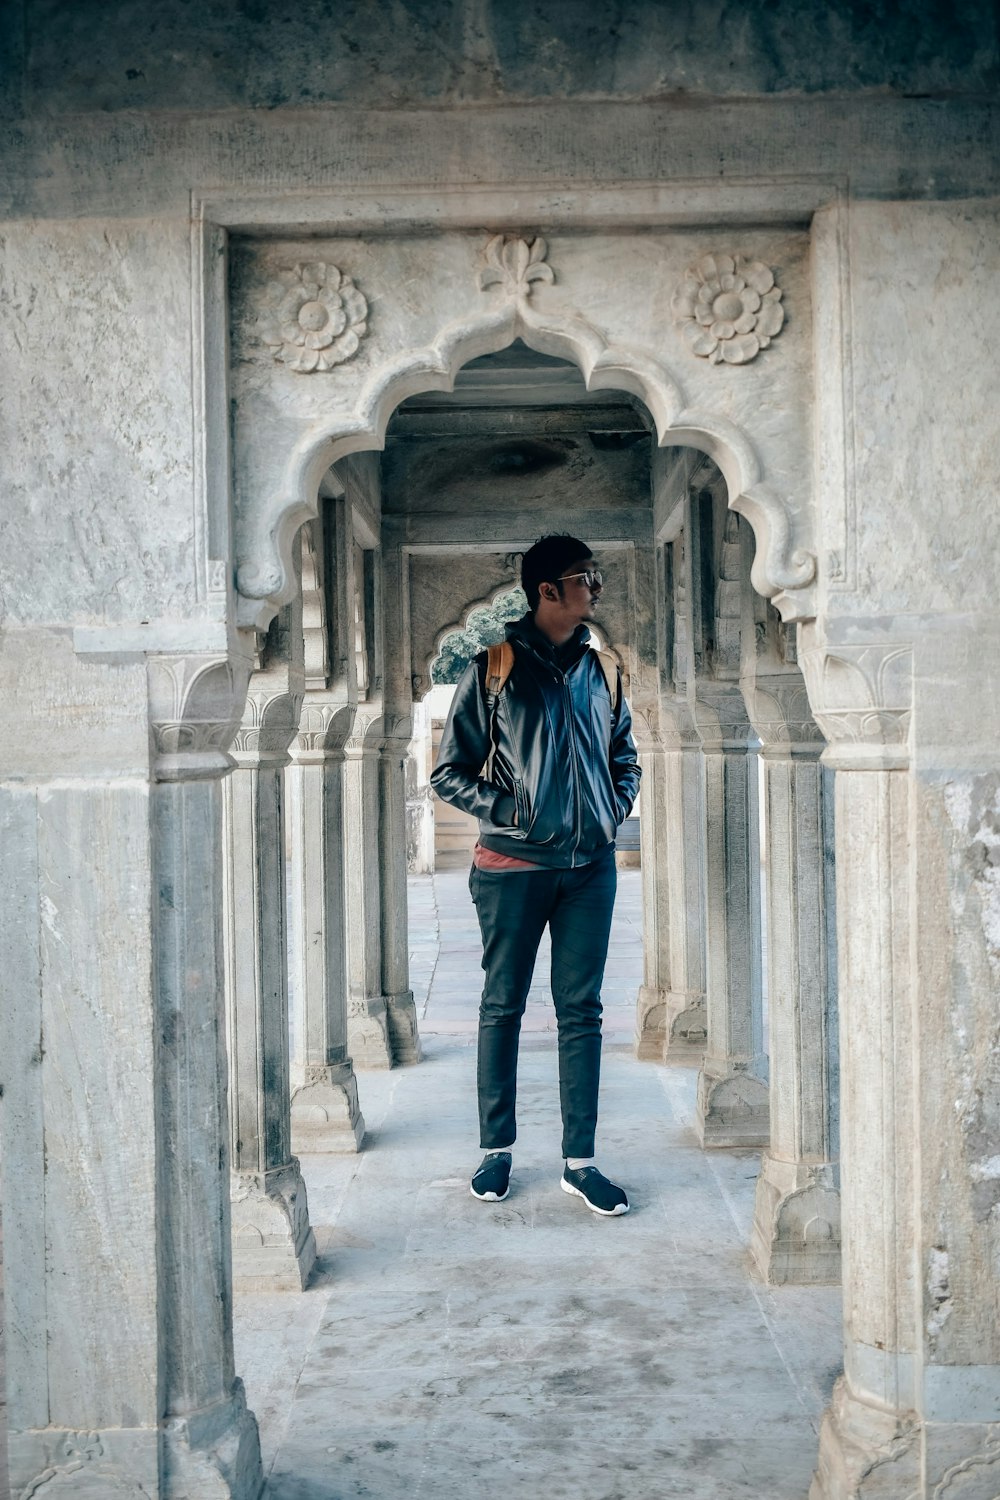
x=315, y=317
x=728, y=308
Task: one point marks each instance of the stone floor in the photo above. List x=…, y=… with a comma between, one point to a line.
x=447, y=1349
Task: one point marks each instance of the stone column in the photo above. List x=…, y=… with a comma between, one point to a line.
x=654, y=831
x=796, y=1229
x=401, y=1014
x=273, y=1243
x=686, y=1026
x=367, y=1024
x=325, y=1113
x=116, y=1219
x=917, y=814
x=680, y=851
x=867, y=1445
x=732, y=1105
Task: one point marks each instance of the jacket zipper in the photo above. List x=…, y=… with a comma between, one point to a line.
x=571, y=731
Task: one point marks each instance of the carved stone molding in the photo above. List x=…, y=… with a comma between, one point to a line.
x=195, y=707
x=315, y=317
x=975, y=1478
x=81, y=1468
x=862, y=700
x=783, y=568
x=728, y=308
x=515, y=264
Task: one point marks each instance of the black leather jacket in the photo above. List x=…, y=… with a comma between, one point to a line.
x=564, y=771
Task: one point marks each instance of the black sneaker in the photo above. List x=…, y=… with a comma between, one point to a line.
x=491, y=1182
x=595, y=1190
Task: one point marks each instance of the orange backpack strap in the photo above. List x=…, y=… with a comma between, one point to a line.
x=499, y=662
x=610, y=669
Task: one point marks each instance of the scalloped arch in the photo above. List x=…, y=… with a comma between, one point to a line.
x=461, y=623
x=781, y=571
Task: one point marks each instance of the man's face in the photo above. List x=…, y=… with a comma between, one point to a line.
x=581, y=589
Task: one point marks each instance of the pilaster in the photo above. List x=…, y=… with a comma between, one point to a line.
x=325, y=1112
x=870, y=1439
x=796, y=1229
x=273, y=1243
x=732, y=1105
x=121, y=1378
x=651, y=1007
x=401, y=1013
x=368, y=1038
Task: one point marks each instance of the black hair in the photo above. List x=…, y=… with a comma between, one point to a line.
x=550, y=556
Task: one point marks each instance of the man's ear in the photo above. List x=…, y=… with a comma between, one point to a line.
x=548, y=591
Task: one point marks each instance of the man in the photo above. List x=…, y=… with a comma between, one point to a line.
x=548, y=765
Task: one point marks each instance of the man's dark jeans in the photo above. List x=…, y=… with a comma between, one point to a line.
x=513, y=908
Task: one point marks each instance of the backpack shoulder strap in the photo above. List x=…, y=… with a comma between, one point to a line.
x=499, y=662
x=610, y=669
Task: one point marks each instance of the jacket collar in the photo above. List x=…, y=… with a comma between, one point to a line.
x=526, y=633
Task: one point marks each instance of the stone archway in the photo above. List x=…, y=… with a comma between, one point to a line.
x=514, y=276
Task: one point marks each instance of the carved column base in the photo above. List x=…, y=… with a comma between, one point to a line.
x=368, y=1032
x=326, y=1115
x=795, y=1238
x=401, y=1016
x=866, y=1453
x=274, y=1248
x=213, y=1453
x=686, y=1029
x=650, y=1023
x=732, y=1109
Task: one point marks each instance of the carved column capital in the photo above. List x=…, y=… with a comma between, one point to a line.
x=325, y=725
x=862, y=697
x=720, y=716
x=195, y=707
x=270, y=723
x=367, y=732
x=778, y=706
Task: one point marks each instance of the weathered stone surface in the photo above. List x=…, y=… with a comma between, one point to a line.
x=861, y=445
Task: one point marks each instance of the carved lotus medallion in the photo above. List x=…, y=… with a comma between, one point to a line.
x=315, y=318
x=728, y=308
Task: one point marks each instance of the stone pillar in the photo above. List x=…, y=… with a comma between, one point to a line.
x=273, y=1243
x=367, y=1024
x=325, y=1113
x=686, y=1026
x=732, y=1105
x=401, y=1014
x=116, y=1219
x=796, y=1229
x=654, y=831
x=867, y=1443
x=917, y=813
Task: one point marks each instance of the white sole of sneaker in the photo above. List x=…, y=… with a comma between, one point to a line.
x=490, y=1197
x=605, y=1213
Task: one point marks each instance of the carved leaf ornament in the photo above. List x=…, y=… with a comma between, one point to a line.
x=316, y=317
x=515, y=264
x=728, y=308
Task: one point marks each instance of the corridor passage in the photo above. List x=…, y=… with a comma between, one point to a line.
x=448, y=1349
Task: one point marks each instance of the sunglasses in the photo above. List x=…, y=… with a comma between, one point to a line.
x=592, y=578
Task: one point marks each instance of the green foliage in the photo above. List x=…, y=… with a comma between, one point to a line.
x=484, y=627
